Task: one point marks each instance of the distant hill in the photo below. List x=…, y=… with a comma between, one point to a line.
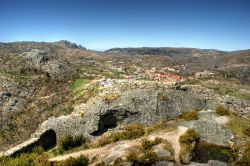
x=168, y=51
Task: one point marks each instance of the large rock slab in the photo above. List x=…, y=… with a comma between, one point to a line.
x=211, y=128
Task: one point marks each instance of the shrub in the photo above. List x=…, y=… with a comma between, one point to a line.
x=147, y=144
x=70, y=142
x=192, y=115
x=222, y=111
x=134, y=131
x=80, y=161
x=148, y=158
x=145, y=155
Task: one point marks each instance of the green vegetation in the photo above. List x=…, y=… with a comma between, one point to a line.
x=186, y=143
x=191, y=115
x=130, y=132
x=37, y=158
x=70, y=142
x=222, y=111
x=78, y=83
x=84, y=94
x=225, y=89
x=80, y=161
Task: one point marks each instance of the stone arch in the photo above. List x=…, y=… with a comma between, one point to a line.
x=47, y=140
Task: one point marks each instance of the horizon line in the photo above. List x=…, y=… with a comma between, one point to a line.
x=125, y=47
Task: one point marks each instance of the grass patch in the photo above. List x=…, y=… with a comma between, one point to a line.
x=70, y=142
x=39, y=158
x=83, y=95
x=78, y=83
x=145, y=155
x=148, y=144
x=147, y=158
x=130, y=132
x=239, y=126
x=232, y=91
x=36, y=158
x=222, y=111
x=191, y=115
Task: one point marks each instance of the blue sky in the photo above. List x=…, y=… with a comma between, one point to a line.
x=103, y=24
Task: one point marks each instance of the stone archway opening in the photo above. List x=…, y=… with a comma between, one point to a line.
x=107, y=121
x=47, y=140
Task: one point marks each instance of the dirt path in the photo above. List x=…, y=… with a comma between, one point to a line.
x=121, y=148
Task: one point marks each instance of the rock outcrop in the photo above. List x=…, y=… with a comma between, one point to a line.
x=69, y=44
x=136, y=106
x=211, y=128
x=241, y=107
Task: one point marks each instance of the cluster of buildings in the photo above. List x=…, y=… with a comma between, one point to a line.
x=166, y=74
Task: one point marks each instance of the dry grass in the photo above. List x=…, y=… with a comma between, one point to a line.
x=109, y=98
x=222, y=111
x=192, y=115
x=130, y=132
